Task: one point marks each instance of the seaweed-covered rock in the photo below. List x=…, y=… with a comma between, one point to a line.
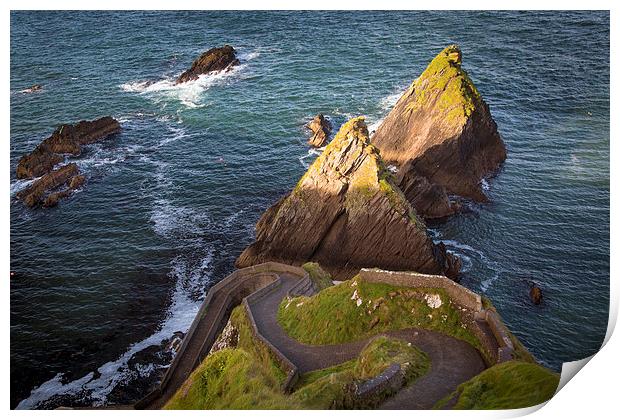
x=346, y=213
x=66, y=139
x=216, y=59
x=441, y=129
x=321, y=128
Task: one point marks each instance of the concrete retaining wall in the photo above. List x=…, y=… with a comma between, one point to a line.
x=459, y=294
x=506, y=347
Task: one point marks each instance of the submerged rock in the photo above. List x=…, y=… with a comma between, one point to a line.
x=36, y=194
x=346, y=213
x=216, y=59
x=441, y=129
x=321, y=128
x=536, y=295
x=66, y=139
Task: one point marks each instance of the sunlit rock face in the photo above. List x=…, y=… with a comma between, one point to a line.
x=347, y=213
x=442, y=130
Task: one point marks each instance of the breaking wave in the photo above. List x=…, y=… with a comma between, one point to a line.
x=188, y=93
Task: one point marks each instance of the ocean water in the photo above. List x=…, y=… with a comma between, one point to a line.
x=172, y=200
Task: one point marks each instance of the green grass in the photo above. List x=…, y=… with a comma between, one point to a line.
x=507, y=385
x=320, y=278
x=247, y=377
x=331, y=316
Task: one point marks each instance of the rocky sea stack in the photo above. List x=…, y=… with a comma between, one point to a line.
x=66, y=140
x=346, y=213
x=216, y=59
x=441, y=130
x=321, y=128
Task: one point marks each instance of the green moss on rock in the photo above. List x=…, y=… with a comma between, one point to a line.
x=446, y=83
x=321, y=279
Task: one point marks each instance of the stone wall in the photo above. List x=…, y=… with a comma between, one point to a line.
x=218, y=304
x=459, y=294
x=387, y=382
x=486, y=325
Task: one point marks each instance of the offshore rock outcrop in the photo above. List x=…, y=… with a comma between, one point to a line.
x=442, y=130
x=37, y=193
x=346, y=213
x=216, y=59
x=321, y=128
x=66, y=139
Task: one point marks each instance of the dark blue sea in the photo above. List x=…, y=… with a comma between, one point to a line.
x=172, y=200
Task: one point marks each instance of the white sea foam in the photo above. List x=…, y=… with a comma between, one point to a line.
x=179, y=318
x=467, y=254
x=188, y=93
x=312, y=153
x=20, y=184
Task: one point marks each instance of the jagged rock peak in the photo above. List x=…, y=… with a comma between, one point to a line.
x=442, y=129
x=346, y=213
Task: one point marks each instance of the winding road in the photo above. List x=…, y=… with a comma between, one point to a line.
x=452, y=361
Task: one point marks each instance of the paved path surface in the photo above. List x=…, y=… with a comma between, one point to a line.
x=452, y=361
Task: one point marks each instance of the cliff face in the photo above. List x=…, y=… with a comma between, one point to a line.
x=346, y=213
x=441, y=129
x=216, y=59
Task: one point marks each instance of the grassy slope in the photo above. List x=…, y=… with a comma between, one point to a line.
x=332, y=387
x=333, y=317
x=247, y=377
x=507, y=385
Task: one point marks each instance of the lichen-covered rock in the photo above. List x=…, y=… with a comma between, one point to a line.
x=36, y=193
x=346, y=213
x=216, y=59
x=66, y=139
x=441, y=129
x=321, y=128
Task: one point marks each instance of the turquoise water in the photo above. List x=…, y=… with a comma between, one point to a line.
x=171, y=201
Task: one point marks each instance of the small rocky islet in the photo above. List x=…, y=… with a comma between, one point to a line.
x=55, y=183
x=214, y=60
